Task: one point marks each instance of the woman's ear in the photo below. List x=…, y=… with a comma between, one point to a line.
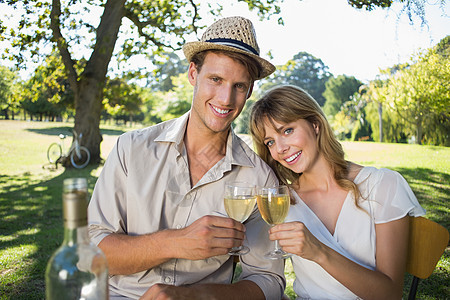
x=316, y=128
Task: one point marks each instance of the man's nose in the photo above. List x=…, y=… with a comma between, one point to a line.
x=226, y=95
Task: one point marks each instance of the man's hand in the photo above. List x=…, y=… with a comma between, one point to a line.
x=208, y=236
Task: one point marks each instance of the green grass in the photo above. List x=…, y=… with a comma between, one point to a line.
x=30, y=200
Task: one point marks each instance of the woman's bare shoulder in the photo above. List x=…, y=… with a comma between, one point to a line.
x=353, y=170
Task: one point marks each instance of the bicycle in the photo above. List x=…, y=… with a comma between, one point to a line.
x=79, y=155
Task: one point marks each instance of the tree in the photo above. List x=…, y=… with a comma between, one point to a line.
x=8, y=91
x=47, y=92
x=123, y=100
x=303, y=70
x=170, y=68
x=146, y=28
x=415, y=98
x=411, y=8
x=176, y=102
x=241, y=124
x=339, y=90
x=373, y=92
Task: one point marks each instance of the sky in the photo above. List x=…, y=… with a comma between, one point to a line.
x=349, y=41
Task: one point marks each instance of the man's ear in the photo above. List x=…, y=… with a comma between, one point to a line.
x=192, y=73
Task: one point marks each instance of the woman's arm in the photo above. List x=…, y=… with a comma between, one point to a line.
x=385, y=282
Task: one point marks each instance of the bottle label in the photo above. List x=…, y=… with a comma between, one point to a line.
x=75, y=209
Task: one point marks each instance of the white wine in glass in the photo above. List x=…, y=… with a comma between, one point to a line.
x=239, y=201
x=273, y=204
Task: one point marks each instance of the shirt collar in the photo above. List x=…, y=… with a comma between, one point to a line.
x=174, y=133
x=236, y=154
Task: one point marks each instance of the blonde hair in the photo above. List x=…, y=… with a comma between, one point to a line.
x=286, y=104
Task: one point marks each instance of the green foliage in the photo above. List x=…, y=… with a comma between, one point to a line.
x=9, y=90
x=412, y=8
x=241, y=124
x=176, y=102
x=145, y=28
x=419, y=93
x=339, y=90
x=47, y=92
x=370, y=4
x=123, y=100
x=169, y=68
x=303, y=70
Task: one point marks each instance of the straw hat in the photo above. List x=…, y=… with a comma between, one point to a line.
x=234, y=34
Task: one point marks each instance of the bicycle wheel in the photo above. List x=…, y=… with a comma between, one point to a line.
x=81, y=161
x=54, y=152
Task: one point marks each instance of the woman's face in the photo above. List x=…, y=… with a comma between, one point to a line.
x=293, y=144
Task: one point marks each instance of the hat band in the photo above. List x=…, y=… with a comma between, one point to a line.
x=235, y=44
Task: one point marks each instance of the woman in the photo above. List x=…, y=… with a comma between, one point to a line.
x=348, y=225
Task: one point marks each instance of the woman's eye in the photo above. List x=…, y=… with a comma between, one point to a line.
x=288, y=130
x=269, y=144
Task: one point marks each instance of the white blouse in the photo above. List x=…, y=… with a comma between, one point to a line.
x=386, y=196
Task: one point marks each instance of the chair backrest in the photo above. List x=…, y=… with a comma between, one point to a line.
x=427, y=242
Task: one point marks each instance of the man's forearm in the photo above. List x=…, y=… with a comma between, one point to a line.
x=245, y=290
x=131, y=254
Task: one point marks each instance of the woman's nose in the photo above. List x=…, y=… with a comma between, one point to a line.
x=282, y=147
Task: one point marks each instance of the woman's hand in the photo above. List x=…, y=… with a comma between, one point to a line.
x=295, y=238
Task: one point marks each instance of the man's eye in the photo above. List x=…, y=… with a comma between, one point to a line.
x=240, y=86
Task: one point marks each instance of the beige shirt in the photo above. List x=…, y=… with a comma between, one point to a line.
x=145, y=187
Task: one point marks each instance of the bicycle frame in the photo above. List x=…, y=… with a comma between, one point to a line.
x=76, y=144
x=78, y=155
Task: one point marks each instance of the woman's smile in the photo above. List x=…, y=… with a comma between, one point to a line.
x=293, y=158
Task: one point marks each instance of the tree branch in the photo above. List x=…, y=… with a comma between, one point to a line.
x=141, y=25
x=68, y=62
x=194, y=27
x=107, y=33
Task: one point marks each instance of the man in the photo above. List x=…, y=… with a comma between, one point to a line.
x=157, y=209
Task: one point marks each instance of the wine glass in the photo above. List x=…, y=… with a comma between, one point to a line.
x=273, y=204
x=239, y=201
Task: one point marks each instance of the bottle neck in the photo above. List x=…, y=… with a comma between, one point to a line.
x=77, y=235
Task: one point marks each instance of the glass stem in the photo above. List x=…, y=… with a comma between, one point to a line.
x=277, y=247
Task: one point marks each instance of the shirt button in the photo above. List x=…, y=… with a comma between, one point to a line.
x=179, y=226
x=167, y=279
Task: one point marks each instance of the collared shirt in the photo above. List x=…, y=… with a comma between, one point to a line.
x=145, y=187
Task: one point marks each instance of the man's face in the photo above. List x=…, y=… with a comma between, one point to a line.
x=220, y=90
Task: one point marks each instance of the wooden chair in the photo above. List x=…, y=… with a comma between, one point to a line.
x=427, y=242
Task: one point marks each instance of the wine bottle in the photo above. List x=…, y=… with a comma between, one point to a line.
x=78, y=269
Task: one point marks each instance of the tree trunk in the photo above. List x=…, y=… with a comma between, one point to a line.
x=380, y=121
x=88, y=86
x=89, y=103
x=419, y=131
x=87, y=116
